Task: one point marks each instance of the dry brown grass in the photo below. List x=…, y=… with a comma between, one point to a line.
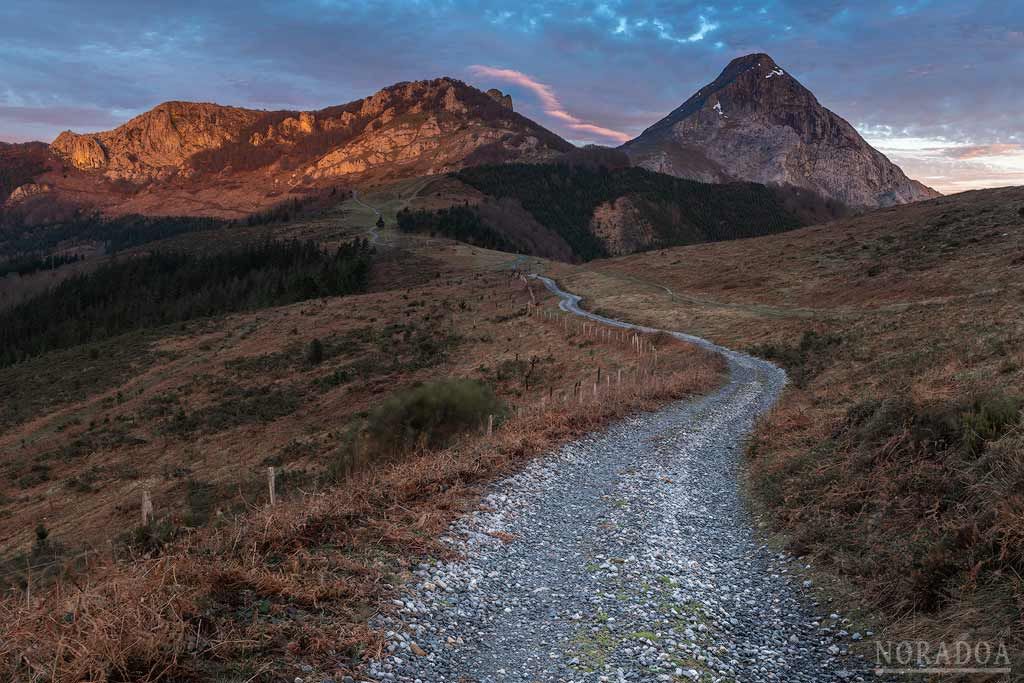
x=925, y=304
x=257, y=594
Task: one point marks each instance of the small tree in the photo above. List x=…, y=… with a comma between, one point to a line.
x=315, y=352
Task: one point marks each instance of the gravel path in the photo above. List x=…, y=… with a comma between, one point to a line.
x=627, y=555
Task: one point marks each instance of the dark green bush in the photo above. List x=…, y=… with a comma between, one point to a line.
x=315, y=352
x=988, y=419
x=431, y=414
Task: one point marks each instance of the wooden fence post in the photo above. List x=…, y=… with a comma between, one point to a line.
x=272, y=485
x=490, y=425
x=147, y=508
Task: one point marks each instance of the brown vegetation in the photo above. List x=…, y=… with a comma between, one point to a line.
x=221, y=585
x=895, y=459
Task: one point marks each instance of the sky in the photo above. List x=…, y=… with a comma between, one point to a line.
x=936, y=85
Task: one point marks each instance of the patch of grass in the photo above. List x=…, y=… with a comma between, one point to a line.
x=39, y=385
x=806, y=359
x=235, y=406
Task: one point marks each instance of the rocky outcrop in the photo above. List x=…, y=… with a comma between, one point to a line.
x=23, y=192
x=155, y=144
x=756, y=122
x=81, y=151
x=501, y=98
x=622, y=227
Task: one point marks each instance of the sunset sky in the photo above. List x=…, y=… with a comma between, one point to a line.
x=937, y=86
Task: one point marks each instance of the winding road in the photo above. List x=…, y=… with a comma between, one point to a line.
x=374, y=231
x=627, y=555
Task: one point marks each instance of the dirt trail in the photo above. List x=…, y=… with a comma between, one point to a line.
x=628, y=555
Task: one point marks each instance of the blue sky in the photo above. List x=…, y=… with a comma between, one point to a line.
x=937, y=85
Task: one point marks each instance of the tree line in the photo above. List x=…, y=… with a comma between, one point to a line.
x=563, y=198
x=116, y=234
x=162, y=288
x=462, y=223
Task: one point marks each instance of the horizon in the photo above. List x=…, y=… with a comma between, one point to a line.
x=571, y=71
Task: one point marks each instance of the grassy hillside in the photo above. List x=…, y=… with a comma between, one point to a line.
x=895, y=460
x=599, y=211
x=370, y=407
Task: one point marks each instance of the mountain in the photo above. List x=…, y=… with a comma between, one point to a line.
x=209, y=159
x=756, y=122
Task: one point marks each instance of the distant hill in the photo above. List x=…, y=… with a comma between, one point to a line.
x=756, y=122
x=577, y=210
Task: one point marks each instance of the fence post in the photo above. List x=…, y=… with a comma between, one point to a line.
x=147, y=508
x=272, y=485
x=490, y=425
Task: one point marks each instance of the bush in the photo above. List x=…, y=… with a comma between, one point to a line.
x=315, y=352
x=430, y=415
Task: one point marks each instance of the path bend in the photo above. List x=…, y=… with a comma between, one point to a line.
x=633, y=559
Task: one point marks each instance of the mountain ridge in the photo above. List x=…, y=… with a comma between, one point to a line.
x=753, y=123
x=206, y=158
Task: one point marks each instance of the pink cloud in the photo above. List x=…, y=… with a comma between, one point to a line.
x=997, y=149
x=549, y=101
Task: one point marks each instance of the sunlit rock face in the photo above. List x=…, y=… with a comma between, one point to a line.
x=156, y=143
x=756, y=122
x=209, y=159
x=430, y=125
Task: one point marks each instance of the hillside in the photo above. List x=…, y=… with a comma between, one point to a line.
x=757, y=123
x=894, y=462
x=369, y=399
x=575, y=212
x=186, y=158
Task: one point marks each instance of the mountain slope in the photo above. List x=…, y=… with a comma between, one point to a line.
x=577, y=213
x=755, y=122
x=209, y=159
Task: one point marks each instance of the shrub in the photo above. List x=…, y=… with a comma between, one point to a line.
x=315, y=352
x=431, y=414
x=988, y=419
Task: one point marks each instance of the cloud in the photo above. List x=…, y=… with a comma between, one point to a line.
x=706, y=27
x=950, y=166
x=549, y=101
x=983, y=151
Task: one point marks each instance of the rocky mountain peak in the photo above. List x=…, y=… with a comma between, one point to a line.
x=756, y=122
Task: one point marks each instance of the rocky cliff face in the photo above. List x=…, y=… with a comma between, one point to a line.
x=756, y=122
x=421, y=127
x=155, y=144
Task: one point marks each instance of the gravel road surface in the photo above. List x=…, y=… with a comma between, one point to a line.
x=627, y=555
